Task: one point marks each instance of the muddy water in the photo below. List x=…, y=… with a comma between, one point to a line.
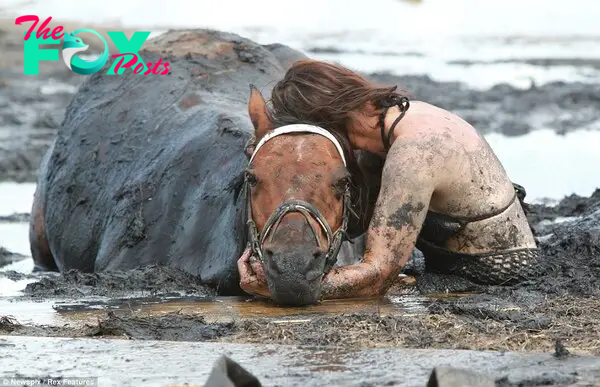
x=223, y=309
x=213, y=309
x=125, y=363
x=113, y=362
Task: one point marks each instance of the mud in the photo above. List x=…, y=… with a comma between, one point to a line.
x=172, y=327
x=8, y=257
x=127, y=363
x=557, y=312
x=15, y=218
x=556, y=316
x=32, y=107
x=150, y=280
x=506, y=109
x=543, y=62
x=568, y=207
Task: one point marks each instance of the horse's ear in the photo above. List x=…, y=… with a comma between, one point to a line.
x=257, y=109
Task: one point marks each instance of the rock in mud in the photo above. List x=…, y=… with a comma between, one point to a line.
x=560, y=351
x=228, y=373
x=456, y=377
x=8, y=324
x=152, y=279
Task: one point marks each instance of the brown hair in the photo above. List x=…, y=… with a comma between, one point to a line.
x=324, y=94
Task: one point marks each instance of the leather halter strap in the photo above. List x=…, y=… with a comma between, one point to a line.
x=299, y=128
x=334, y=239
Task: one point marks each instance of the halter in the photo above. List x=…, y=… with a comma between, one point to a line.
x=334, y=239
x=403, y=104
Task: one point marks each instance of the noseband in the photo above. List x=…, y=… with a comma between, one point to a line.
x=334, y=239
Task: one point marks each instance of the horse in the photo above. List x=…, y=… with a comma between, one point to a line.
x=186, y=170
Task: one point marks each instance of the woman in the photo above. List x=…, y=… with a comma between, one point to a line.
x=443, y=189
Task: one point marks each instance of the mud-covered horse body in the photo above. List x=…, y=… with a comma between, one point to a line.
x=146, y=168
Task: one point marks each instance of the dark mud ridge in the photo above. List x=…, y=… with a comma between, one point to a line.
x=150, y=280
x=32, y=106
x=8, y=257
x=14, y=218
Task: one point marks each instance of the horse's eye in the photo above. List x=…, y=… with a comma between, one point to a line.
x=340, y=185
x=251, y=178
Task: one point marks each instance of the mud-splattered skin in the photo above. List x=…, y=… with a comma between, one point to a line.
x=148, y=170
x=437, y=163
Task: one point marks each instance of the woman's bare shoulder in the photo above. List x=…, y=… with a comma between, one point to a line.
x=445, y=130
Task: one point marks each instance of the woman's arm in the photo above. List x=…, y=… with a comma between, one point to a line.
x=408, y=181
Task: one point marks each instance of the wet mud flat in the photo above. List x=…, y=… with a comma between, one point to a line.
x=557, y=312
x=543, y=332
x=32, y=107
x=134, y=363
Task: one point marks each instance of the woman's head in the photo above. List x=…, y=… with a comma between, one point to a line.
x=328, y=95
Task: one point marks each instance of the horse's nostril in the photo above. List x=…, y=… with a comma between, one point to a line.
x=318, y=254
x=268, y=253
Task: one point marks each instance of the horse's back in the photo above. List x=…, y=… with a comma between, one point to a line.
x=145, y=168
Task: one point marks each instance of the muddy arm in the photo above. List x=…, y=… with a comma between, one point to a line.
x=406, y=190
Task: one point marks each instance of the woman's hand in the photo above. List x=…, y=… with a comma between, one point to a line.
x=252, y=275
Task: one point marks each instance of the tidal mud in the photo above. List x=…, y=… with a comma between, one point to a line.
x=8, y=257
x=171, y=327
x=556, y=312
x=32, y=107
x=540, y=215
x=540, y=333
x=151, y=280
x=15, y=218
x=128, y=363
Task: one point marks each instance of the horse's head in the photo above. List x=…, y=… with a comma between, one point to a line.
x=298, y=191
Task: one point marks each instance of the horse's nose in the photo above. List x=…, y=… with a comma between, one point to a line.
x=272, y=262
x=309, y=263
x=316, y=265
